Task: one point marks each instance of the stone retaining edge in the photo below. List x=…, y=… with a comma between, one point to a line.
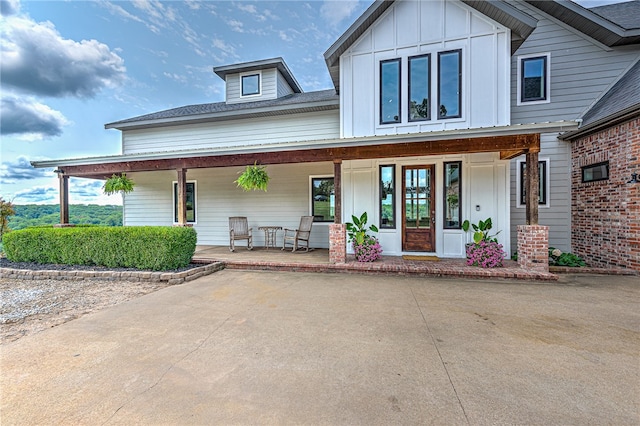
x=170, y=277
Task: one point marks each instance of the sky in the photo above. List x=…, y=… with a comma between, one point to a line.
x=69, y=67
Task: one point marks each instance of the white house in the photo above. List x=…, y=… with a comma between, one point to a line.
x=437, y=107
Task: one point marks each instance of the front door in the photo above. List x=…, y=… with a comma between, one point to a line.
x=418, y=208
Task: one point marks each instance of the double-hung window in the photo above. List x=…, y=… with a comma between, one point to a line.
x=449, y=84
x=533, y=79
x=390, y=91
x=191, y=202
x=419, y=88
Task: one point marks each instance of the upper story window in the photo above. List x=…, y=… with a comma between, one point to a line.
x=533, y=79
x=390, y=91
x=449, y=84
x=250, y=84
x=419, y=88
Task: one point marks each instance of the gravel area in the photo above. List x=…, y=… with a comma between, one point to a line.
x=30, y=306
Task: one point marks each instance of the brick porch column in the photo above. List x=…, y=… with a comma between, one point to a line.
x=337, y=243
x=533, y=247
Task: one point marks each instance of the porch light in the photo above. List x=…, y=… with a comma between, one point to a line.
x=634, y=178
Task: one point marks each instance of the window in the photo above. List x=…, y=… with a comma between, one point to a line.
x=191, y=202
x=250, y=84
x=323, y=205
x=595, y=172
x=388, y=197
x=452, y=192
x=449, y=84
x=390, y=91
x=419, y=84
x=542, y=189
x=533, y=79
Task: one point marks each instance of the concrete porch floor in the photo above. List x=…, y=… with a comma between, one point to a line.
x=317, y=260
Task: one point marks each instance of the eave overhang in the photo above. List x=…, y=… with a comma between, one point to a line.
x=257, y=112
x=604, y=123
x=510, y=141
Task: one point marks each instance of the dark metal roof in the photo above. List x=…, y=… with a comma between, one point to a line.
x=588, y=22
x=520, y=24
x=293, y=103
x=278, y=63
x=626, y=15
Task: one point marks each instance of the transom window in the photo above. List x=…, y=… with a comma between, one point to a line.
x=191, y=202
x=595, y=172
x=323, y=202
x=390, y=91
x=250, y=84
x=533, y=79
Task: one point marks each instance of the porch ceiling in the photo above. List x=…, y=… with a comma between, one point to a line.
x=509, y=146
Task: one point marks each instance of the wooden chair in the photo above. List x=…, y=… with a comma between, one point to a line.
x=300, y=235
x=239, y=230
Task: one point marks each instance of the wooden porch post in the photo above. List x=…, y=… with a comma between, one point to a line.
x=64, y=198
x=337, y=189
x=532, y=185
x=182, y=196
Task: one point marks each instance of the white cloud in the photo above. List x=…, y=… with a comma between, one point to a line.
x=9, y=7
x=236, y=25
x=334, y=12
x=30, y=119
x=20, y=169
x=37, y=194
x=36, y=59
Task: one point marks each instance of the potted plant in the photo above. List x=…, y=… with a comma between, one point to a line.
x=365, y=247
x=253, y=178
x=485, y=251
x=115, y=184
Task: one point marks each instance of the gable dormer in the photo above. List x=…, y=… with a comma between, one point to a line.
x=257, y=80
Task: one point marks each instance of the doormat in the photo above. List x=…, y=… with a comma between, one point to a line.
x=420, y=258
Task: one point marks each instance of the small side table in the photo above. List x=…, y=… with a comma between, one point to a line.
x=270, y=234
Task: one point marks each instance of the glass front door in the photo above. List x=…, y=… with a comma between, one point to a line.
x=418, y=204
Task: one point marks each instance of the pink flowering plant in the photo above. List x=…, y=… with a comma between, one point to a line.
x=365, y=247
x=486, y=254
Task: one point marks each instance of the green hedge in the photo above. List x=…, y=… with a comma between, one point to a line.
x=156, y=248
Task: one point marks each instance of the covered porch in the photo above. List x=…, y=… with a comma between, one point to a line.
x=317, y=260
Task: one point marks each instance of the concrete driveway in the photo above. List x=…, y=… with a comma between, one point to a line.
x=288, y=348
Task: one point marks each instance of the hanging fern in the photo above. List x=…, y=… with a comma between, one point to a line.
x=253, y=178
x=121, y=184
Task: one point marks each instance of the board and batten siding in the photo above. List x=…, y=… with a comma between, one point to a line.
x=557, y=216
x=420, y=27
x=218, y=197
x=582, y=70
x=264, y=130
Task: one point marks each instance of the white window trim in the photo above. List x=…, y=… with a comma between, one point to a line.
x=547, y=185
x=311, y=178
x=246, y=74
x=173, y=200
x=547, y=82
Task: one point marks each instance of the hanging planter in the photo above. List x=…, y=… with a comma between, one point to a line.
x=121, y=184
x=253, y=178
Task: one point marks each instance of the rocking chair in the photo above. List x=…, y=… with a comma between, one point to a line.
x=239, y=230
x=296, y=236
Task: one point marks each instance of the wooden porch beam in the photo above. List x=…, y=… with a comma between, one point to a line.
x=513, y=143
x=337, y=190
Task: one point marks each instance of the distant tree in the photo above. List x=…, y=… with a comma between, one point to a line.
x=6, y=210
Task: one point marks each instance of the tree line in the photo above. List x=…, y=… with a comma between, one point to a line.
x=27, y=215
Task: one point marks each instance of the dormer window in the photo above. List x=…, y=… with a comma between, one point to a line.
x=250, y=84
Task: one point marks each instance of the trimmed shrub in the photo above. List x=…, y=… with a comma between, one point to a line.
x=155, y=248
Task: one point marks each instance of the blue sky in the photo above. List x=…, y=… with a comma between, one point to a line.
x=69, y=67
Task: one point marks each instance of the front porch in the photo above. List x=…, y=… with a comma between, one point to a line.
x=317, y=260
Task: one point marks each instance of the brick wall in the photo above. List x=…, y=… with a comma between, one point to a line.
x=337, y=243
x=606, y=214
x=533, y=247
